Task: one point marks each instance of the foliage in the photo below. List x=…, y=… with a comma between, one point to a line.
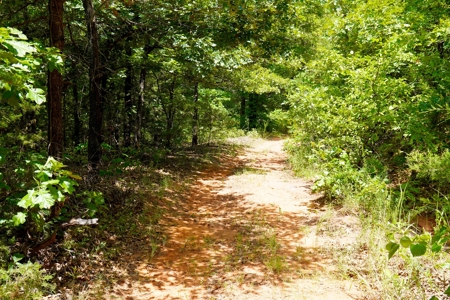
x=18, y=68
x=24, y=281
x=432, y=167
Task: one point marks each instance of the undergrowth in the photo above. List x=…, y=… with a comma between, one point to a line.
x=136, y=189
x=392, y=210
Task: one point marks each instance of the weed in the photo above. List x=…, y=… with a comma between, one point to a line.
x=276, y=264
x=24, y=281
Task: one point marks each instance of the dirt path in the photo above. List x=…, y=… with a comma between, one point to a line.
x=247, y=229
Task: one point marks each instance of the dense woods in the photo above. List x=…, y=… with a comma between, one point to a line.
x=90, y=88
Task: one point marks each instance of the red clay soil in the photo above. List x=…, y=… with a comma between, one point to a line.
x=246, y=229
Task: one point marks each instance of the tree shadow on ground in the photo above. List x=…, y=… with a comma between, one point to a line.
x=214, y=240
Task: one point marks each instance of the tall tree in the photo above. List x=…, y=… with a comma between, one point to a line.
x=55, y=82
x=195, y=117
x=95, y=103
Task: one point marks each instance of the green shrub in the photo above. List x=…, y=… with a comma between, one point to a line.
x=24, y=281
x=429, y=166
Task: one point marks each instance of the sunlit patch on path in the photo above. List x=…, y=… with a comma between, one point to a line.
x=246, y=229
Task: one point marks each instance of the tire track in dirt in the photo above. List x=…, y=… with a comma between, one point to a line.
x=246, y=229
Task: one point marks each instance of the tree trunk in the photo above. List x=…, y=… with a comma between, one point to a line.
x=95, y=103
x=195, y=118
x=55, y=82
x=140, y=106
x=76, y=114
x=242, y=117
x=128, y=100
x=252, y=111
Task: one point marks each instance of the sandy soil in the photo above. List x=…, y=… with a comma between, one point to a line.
x=247, y=229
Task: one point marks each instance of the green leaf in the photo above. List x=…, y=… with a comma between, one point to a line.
x=50, y=182
x=44, y=199
x=17, y=32
x=418, y=249
x=36, y=95
x=3, y=153
x=447, y=291
x=17, y=257
x=19, y=218
x=55, y=62
x=392, y=248
x=405, y=242
x=67, y=184
x=436, y=248
x=74, y=176
x=21, y=48
x=438, y=234
x=56, y=193
x=27, y=200
x=434, y=298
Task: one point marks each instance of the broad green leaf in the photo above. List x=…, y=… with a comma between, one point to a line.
x=418, y=249
x=17, y=32
x=21, y=48
x=44, y=199
x=50, y=182
x=56, y=193
x=447, y=291
x=392, y=248
x=17, y=257
x=8, y=56
x=67, y=184
x=19, y=218
x=74, y=176
x=36, y=95
x=405, y=242
x=438, y=234
x=55, y=62
x=436, y=247
x=43, y=175
x=434, y=298
x=27, y=200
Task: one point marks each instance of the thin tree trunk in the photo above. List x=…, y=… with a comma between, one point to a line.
x=140, y=106
x=76, y=114
x=128, y=100
x=195, y=118
x=55, y=82
x=252, y=111
x=95, y=103
x=242, y=117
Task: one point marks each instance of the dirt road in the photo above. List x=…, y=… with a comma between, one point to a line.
x=247, y=229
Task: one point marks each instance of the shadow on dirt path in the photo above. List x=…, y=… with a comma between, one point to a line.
x=246, y=229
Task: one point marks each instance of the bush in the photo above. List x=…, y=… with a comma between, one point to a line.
x=24, y=281
x=432, y=167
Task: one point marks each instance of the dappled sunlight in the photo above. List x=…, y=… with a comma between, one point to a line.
x=242, y=229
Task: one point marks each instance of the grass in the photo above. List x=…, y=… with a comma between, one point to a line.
x=384, y=216
x=129, y=223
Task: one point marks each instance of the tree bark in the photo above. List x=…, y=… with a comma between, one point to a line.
x=95, y=103
x=140, y=106
x=242, y=116
x=76, y=114
x=195, y=118
x=252, y=111
x=128, y=100
x=55, y=82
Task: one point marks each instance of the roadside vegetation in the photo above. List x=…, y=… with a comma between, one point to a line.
x=371, y=128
